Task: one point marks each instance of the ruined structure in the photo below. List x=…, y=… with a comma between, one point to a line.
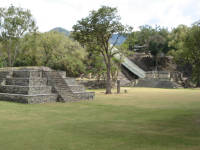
x=141, y=78
x=40, y=85
x=160, y=79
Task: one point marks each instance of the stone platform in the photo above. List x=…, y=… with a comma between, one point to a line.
x=160, y=79
x=39, y=85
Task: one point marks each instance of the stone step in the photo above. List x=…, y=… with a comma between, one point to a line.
x=84, y=95
x=26, y=81
x=77, y=96
x=62, y=87
x=3, y=75
x=156, y=83
x=27, y=74
x=29, y=99
x=77, y=88
x=71, y=81
x=25, y=89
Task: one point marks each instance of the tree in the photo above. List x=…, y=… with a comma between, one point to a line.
x=156, y=46
x=60, y=52
x=29, y=53
x=149, y=39
x=14, y=23
x=130, y=41
x=191, y=52
x=177, y=37
x=142, y=37
x=186, y=49
x=52, y=49
x=95, y=31
x=176, y=42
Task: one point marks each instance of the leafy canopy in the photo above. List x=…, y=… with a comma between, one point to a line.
x=95, y=31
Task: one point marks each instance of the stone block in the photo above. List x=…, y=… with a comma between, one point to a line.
x=15, y=89
x=28, y=99
x=27, y=74
x=26, y=81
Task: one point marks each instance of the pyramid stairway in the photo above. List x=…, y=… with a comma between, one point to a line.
x=67, y=88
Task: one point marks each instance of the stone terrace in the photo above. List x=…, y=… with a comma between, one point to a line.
x=39, y=85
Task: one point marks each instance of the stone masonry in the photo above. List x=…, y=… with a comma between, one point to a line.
x=39, y=85
x=160, y=79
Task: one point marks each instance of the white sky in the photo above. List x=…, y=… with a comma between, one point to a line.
x=65, y=13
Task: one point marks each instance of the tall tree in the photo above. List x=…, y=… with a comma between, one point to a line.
x=156, y=47
x=177, y=37
x=14, y=23
x=186, y=48
x=95, y=31
x=191, y=51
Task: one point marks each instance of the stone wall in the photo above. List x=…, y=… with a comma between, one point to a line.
x=157, y=83
x=160, y=79
x=26, y=86
x=26, y=81
x=158, y=74
x=175, y=76
x=93, y=84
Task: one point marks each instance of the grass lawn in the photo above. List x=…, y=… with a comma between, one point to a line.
x=142, y=119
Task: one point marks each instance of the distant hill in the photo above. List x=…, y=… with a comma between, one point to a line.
x=112, y=40
x=61, y=30
x=120, y=40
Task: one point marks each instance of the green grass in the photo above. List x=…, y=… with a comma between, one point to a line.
x=142, y=119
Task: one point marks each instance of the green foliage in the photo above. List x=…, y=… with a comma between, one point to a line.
x=191, y=51
x=153, y=40
x=177, y=37
x=130, y=41
x=149, y=39
x=29, y=53
x=95, y=31
x=186, y=48
x=14, y=23
x=54, y=50
x=21, y=45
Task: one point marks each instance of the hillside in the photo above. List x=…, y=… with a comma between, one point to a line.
x=61, y=30
x=112, y=40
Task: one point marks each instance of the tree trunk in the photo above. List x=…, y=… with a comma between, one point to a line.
x=198, y=80
x=156, y=63
x=9, y=54
x=108, y=78
x=118, y=86
x=198, y=84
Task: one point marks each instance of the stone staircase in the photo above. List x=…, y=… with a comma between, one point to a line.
x=67, y=88
x=73, y=85
x=26, y=87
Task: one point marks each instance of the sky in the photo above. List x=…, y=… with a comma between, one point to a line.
x=65, y=13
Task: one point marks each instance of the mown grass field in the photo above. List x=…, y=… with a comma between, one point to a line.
x=142, y=119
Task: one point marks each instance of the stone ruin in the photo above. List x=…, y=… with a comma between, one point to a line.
x=40, y=85
x=161, y=79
